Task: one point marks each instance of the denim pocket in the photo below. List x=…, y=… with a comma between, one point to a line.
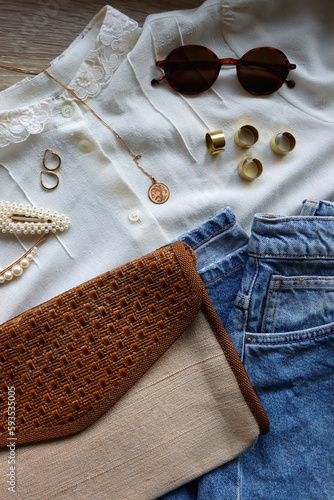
x=297, y=303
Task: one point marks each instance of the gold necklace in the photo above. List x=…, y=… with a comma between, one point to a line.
x=158, y=192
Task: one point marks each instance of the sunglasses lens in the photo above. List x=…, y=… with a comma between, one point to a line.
x=191, y=69
x=263, y=70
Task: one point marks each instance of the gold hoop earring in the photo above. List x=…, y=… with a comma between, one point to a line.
x=51, y=162
x=48, y=173
x=51, y=155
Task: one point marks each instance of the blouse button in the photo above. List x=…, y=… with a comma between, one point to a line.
x=85, y=146
x=67, y=111
x=134, y=215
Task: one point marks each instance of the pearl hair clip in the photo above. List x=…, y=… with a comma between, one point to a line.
x=17, y=219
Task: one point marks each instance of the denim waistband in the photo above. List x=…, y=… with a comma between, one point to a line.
x=221, y=244
x=214, y=226
x=308, y=236
x=218, y=243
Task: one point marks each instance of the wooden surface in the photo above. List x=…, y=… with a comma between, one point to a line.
x=33, y=32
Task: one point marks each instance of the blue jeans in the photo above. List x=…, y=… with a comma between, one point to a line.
x=274, y=292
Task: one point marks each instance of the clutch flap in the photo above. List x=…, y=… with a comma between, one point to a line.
x=68, y=360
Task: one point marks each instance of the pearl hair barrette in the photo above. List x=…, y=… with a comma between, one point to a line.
x=30, y=220
x=17, y=219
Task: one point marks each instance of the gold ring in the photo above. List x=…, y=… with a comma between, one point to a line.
x=283, y=143
x=246, y=136
x=215, y=142
x=250, y=168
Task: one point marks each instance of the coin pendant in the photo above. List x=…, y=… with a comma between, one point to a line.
x=158, y=193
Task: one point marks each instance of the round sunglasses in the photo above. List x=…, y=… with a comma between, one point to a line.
x=191, y=69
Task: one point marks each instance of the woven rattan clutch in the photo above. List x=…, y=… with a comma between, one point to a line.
x=70, y=359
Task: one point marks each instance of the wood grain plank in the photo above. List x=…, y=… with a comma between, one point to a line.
x=33, y=32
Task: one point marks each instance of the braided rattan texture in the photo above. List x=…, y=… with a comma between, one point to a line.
x=72, y=357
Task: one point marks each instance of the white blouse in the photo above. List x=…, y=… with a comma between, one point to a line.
x=102, y=191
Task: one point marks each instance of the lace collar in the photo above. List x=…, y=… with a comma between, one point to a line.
x=116, y=37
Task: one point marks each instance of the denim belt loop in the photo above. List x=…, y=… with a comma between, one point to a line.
x=309, y=207
x=241, y=301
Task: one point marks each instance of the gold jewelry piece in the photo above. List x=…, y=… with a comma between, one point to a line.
x=246, y=136
x=19, y=70
x=157, y=187
x=158, y=193
x=17, y=219
x=30, y=220
x=283, y=143
x=51, y=162
x=250, y=168
x=49, y=173
x=16, y=268
x=215, y=142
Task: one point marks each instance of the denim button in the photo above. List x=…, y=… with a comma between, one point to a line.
x=67, y=111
